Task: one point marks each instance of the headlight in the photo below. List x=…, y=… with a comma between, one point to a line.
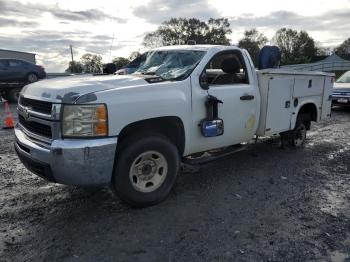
x=84, y=121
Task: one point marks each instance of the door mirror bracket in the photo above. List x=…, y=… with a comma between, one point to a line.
x=203, y=81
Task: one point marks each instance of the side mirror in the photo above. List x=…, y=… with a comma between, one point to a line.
x=203, y=81
x=109, y=68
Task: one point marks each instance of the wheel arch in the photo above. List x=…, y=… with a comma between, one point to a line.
x=32, y=72
x=307, y=108
x=171, y=127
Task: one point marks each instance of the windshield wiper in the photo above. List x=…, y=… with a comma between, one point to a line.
x=150, y=73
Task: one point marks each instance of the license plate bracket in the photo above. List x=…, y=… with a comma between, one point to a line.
x=342, y=100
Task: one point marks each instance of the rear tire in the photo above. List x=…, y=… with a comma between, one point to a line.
x=13, y=94
x=145, y=170
x=298, y=135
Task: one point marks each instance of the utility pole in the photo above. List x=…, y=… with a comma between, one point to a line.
x=71, y=53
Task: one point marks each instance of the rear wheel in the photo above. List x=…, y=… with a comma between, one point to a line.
x=146, y=170
x=298, y=135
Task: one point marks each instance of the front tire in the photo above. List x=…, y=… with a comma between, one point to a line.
x=146, y=170
x=31, y=78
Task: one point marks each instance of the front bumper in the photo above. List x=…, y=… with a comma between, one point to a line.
x=69, y=161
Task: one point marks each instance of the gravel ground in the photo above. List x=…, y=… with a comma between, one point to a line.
x=262, y=204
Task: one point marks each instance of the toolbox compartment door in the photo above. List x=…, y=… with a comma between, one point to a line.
x=279, y=104
x=307, y=85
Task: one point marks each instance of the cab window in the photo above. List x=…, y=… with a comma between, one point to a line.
x=14, y=63
x=3, y=63
x=227, y=68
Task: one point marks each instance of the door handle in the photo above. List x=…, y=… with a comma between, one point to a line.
x=247, y=97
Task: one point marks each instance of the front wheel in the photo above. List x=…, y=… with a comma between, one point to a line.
x=146, y=170
x=31, y=78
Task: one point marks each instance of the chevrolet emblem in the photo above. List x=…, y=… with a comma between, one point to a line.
x=25, y=113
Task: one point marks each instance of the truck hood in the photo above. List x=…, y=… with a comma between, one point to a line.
x=341, y=87
x=69, y=89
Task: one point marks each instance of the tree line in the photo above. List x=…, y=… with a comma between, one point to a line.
x=297, y=47
x=91, y=63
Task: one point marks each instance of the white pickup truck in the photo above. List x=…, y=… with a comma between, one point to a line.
x=132, y=132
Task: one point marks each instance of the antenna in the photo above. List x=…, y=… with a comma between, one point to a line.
x=110, y=49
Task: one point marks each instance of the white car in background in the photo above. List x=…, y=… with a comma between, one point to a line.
x=341, y=90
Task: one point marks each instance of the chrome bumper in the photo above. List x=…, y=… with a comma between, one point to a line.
x=69, y=161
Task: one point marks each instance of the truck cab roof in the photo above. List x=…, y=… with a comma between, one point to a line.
x=197, y=47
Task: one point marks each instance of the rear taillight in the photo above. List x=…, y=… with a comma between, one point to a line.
x=41, y=67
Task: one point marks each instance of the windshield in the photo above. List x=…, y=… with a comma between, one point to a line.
x=171, y=64
x=345, y=78
x=137, y=61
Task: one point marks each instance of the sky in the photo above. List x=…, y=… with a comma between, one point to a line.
x=116, y=28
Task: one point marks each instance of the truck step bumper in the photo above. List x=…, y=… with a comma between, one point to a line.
x=70, y=161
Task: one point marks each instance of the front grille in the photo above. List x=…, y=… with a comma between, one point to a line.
x=36, y=105
x=341, y=93
x=36, y=128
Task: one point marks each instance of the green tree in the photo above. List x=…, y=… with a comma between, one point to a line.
x=153, y=40
x=344, y=48
x=177, y=31
x=133, y=55
x=91, y=63
x=120, y=62
x=218, y=29
x=74, y=67
x=253, y=41
x=296, y=47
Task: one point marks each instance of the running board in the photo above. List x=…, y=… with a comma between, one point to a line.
x=210, y=156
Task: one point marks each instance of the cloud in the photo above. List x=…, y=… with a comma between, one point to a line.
x=89, y=15
x=52, y=48
x=158, y=11
x=33, y=10
x=7, y=22
x=333, y=20
x=41, y=28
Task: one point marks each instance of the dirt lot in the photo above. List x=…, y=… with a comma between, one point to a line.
x=262, y=204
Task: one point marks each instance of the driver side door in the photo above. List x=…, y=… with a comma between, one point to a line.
x=238, y=94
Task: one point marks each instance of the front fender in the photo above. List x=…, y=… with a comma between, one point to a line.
x=128, y=105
